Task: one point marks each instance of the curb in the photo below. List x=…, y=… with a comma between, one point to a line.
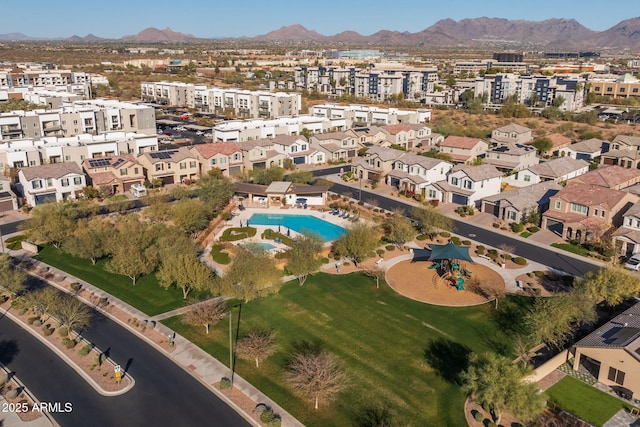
x=70, y=362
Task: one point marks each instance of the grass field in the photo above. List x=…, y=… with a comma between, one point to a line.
x=147, y=296
x=579, y=250
x=396, y=351
x=584, y=401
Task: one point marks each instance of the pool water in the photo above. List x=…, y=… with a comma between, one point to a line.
x=299, y=223
x=258, y=245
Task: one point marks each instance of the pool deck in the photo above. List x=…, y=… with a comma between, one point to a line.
x=241, y=217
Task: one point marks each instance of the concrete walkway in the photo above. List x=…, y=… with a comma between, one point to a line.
x=187, y=355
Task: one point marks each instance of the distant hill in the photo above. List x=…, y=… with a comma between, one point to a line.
x=291, y=33
x=14, y=37
x=154, y=35
x=87, y=38
x=624, y=34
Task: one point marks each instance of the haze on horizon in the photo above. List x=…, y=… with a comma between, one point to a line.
x=250, y=18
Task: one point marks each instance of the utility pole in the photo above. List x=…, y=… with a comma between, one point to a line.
x=230, y=349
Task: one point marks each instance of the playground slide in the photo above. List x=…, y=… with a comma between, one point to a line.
x=460, y=283
x=432, y=266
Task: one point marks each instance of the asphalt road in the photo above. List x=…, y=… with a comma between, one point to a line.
x=164, y=394
x=10, y=228
x=547, y=257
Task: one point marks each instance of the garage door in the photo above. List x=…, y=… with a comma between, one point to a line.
x=167, y=180
x=554, y=226
x=458, y=199
x=394, y=182
x=44, y=198
x=298, y=160
x=6, y=205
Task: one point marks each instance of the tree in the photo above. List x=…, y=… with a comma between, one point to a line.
x=612, y=283
x=399, y=229
x=543, y=144
x=132, y=249
x=358, y=242
x=43, y=301
x=494, y=380
x=158, y=210
x=303, y=256
x=558, y=101
x=376, y=273
x=72, y=314
x=87, y=241
x=205, y=313
x=252, y=274
x=266, y=176
x=307, y=133
x=12, y=279
x=301, y=177
x=431, y=221
x=186, y=272
x=451, y=80
x=256, y=344
x=215, y=191
x=190, y=215
x=50, y=223
x=316, y=375
x=534, y=99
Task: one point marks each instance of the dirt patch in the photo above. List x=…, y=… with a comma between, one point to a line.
x=471, y=408
x=415, y=280
x=240, y=399
x=544, y=286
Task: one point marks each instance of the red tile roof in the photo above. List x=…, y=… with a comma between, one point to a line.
x=559, y=140
x=463, y=142
x=211, y=149
x=610, y=177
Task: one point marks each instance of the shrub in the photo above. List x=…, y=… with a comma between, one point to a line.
x=495, y=225
x=478, y=416
x=389, y=247
x=37, y=322
x=218, y=256
x=75, y=286
x=423, y=237
x=538, y=273
x=100, y=358
x=12, y=394
x=267, y=416
x=486, y=407
x=63, y=332
x=237, y=233
x=493, y=252
x=30, y=320
x=225, y=384
x=553, y=276
x=533, y=229
x=226, y=216
x=491, y=424
x=260, y=408
x=519, y=260
x=380, y=252
x=86, y=349
x=70, y=344
x=516, y=227
x=64, y=341
x=456, y=240
x=48, y=331
x=466, y=242
x=445, y=234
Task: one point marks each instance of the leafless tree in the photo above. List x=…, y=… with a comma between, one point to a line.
x=42, y=301
x=72, y=313
x=376, y=273
x=316, y=375
x=256, y=344
x=206, y=313
x=507, y=251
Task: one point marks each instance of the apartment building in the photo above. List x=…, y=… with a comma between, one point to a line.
x=248, y=130
x=232, y=101
x=362, y=115
x=624, y=86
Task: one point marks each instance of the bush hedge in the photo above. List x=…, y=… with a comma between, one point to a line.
x=218, y=256
x=519, y=260
x=237, y=233
x=225, y=384
x=516, y=227
x=85, y=349
x=389, y=247
x=533, y=229
x=445, y=234
x=456, y=240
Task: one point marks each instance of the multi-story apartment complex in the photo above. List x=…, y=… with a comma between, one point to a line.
x=238, y=102
x=76, y=118
x=624, y=86
x=363, y=115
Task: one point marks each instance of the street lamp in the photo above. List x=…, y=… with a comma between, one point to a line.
x=231, y=342
x=360, y=192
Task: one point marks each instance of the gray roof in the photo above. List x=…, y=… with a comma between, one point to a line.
x=279, y=187
x=385, y=154
x=588, y=146
x=620, y=332
x=406, y=175
x=478, y=173
x=621, y=153
x=513, y=149
x=628, y=140
x=288, y=139
x=424, y=161
x=527, y=197
x=52, y=170
x=513, y=128
x=559, y=167
x=331, y=136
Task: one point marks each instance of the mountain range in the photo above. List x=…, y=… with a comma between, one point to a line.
x=472, y=32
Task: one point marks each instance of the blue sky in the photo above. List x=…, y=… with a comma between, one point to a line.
x=234, y=18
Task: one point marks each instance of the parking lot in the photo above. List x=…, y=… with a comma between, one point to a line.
x=173, y=128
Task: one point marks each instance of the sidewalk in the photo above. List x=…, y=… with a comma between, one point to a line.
x=202, y=366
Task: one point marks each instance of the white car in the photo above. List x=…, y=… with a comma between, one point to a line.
x=633, y=263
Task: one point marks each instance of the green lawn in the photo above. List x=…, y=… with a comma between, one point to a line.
x=584, y=401
x=147, y=296
x=579, y=250
x=396, y=351
x=525, y=234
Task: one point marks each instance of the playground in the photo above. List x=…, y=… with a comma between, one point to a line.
x=447, y=276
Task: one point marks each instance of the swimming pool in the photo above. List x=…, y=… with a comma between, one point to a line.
x=258, y=245
x=299, y=223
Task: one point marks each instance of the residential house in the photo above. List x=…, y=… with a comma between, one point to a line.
x=516, y=205
x=8, y=199
x=626, y=239
x=611, y=353
x=406, y=135
x=463, y=149
x=171, y=166
x=624, y=151
x=280, y=193
x=557, y=170
x=376, y=163
x=613, y=177
x=337, y=145
x=582, y=211
x=511, y=134
x=369, y=136
x=298, y=149
x=116, y=173
x=511, y=157
x=260, y=154
x=411, y=173
x=558, y=142
x=52, y=182
x=225, y=156
x=584, y=150
x=466, y=185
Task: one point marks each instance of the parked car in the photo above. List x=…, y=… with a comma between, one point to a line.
x=633, y=263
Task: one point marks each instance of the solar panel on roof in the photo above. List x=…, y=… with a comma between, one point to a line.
x=118, y=163
x=97, y=163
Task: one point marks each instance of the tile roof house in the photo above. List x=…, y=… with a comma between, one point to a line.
x=298, y=149
x=613, y=177
x=171, y=166
x=585, y=150
x=516, y=205
x=260, y=153
x=624, y=151
x=580, y=210
x=8, y=199
x=412, y=173
x=463, y=149
x=117, y=173
x=376, y=163
x=369, y=136
x=406, y=135
x=626, y=239
x=466, y=185
x=557, y=170
x=558, y=141
x=512, y=133
x=612, y=352
x=226, y=156
x=337, y=145
x=54, y=181
x=511, y=157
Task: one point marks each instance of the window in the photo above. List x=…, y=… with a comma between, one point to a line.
x=512, y=216
x=616, y=376
x=558, y=204
x=183, y=165
x=223, y=160
x=468, y=185
x=213, y=162
x=49, y=182
x=67, y=158
x=36, y=184
x=135, y=171
x=192, y=164
x=123, y=171
x=319, y=158
x=432, y=194
x=32, y=162
x=236, y=156
x=158, y=167
x=595, y=212
x=609, y=89
x=81, y=158
x=64, y=182
x=454, y=181
x=294, y=148
x=621, y=90
x=582, y=209
x=303, y=147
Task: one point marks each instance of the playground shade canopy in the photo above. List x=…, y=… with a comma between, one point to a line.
x=449, y=251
